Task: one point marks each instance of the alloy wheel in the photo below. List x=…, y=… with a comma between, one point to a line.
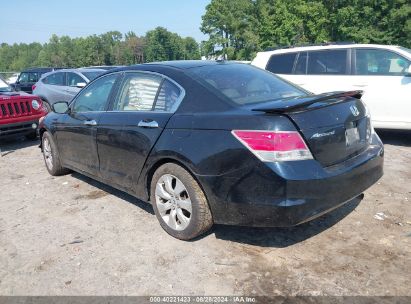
x=48, y=155
x=173, y=202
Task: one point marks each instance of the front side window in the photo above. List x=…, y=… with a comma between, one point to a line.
x=244, y=84
x=327, y=62
x=24, y=77
x=138, y=92
x=380, y=62
x=92, y=75
x=95, y=97
x=54, y=79
x=73, y=80
x=281, y=64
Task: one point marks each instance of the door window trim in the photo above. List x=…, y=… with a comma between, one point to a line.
x=163, y=78
x=354, y=61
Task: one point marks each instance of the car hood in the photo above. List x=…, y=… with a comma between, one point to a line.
x=14, y=95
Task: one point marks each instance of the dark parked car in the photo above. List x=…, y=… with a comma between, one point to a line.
x=215, y=142
x=29, y=77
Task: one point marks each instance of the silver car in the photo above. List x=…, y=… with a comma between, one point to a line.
x=63, y=85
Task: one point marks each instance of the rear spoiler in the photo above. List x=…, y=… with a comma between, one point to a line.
x=296, y=104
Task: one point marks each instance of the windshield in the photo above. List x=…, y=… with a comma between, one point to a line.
x=4, y=87
x=244, y=84
x=92, y=75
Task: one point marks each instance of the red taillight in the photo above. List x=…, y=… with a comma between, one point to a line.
x=33, y=87
x=271, y=146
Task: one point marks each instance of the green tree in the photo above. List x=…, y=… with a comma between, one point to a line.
x=163, y=45
x=230, y=25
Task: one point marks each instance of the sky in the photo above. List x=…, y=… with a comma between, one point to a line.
x=36, y=20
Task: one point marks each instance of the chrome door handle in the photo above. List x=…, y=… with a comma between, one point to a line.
x=148, y=124
x=90, y=123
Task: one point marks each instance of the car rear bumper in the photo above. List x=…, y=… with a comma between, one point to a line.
x=289, y=194
x=20, y=128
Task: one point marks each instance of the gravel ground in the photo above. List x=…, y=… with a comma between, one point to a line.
x=73, y=236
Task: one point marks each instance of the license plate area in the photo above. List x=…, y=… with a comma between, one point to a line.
x=352, y=134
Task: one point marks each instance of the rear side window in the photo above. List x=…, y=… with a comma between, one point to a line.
x=33, y=77
x=138, y=92
x=281, y=64
x=327, y=62
x=54, y=79
x=244, y=84
x=301, y=66
x=380, y=62
x=168, y=98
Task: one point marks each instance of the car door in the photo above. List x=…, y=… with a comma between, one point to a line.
x=381, y=74
x=127, y=133
x=76, y=134
x=74, y=83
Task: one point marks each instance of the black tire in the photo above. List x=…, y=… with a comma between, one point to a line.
x=55, y=169
x=32, y=136
x=200, y=218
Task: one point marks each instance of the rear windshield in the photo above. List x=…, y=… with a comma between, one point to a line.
x=245, y=84
x=92, y=75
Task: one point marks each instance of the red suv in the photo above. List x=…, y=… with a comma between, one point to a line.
x=19, y=112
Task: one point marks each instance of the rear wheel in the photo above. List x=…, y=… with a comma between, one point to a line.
x=51, y=156
x=179, y=203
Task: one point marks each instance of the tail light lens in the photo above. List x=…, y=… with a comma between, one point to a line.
x=273, y=146
x=33, y=87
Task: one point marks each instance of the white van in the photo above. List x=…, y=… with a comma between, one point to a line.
x=383, y=72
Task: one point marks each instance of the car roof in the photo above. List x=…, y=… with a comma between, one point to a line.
x=80, y=70
x=180, y=64
x=328, y=46
x=40, y=69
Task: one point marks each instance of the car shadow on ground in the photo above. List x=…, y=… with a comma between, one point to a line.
x=284, y=237
x=120, y=194
x=264, y=237
x=395, y=137
x=9, y=145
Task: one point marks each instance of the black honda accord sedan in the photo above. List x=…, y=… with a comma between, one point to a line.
x=216, y=142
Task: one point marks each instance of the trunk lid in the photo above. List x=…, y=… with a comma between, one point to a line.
x=335, y=125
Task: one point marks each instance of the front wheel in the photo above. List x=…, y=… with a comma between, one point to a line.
x=51, y=156
x=179, y=203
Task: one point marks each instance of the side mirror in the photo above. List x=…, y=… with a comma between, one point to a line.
x=60, y=107
x=81, y=85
